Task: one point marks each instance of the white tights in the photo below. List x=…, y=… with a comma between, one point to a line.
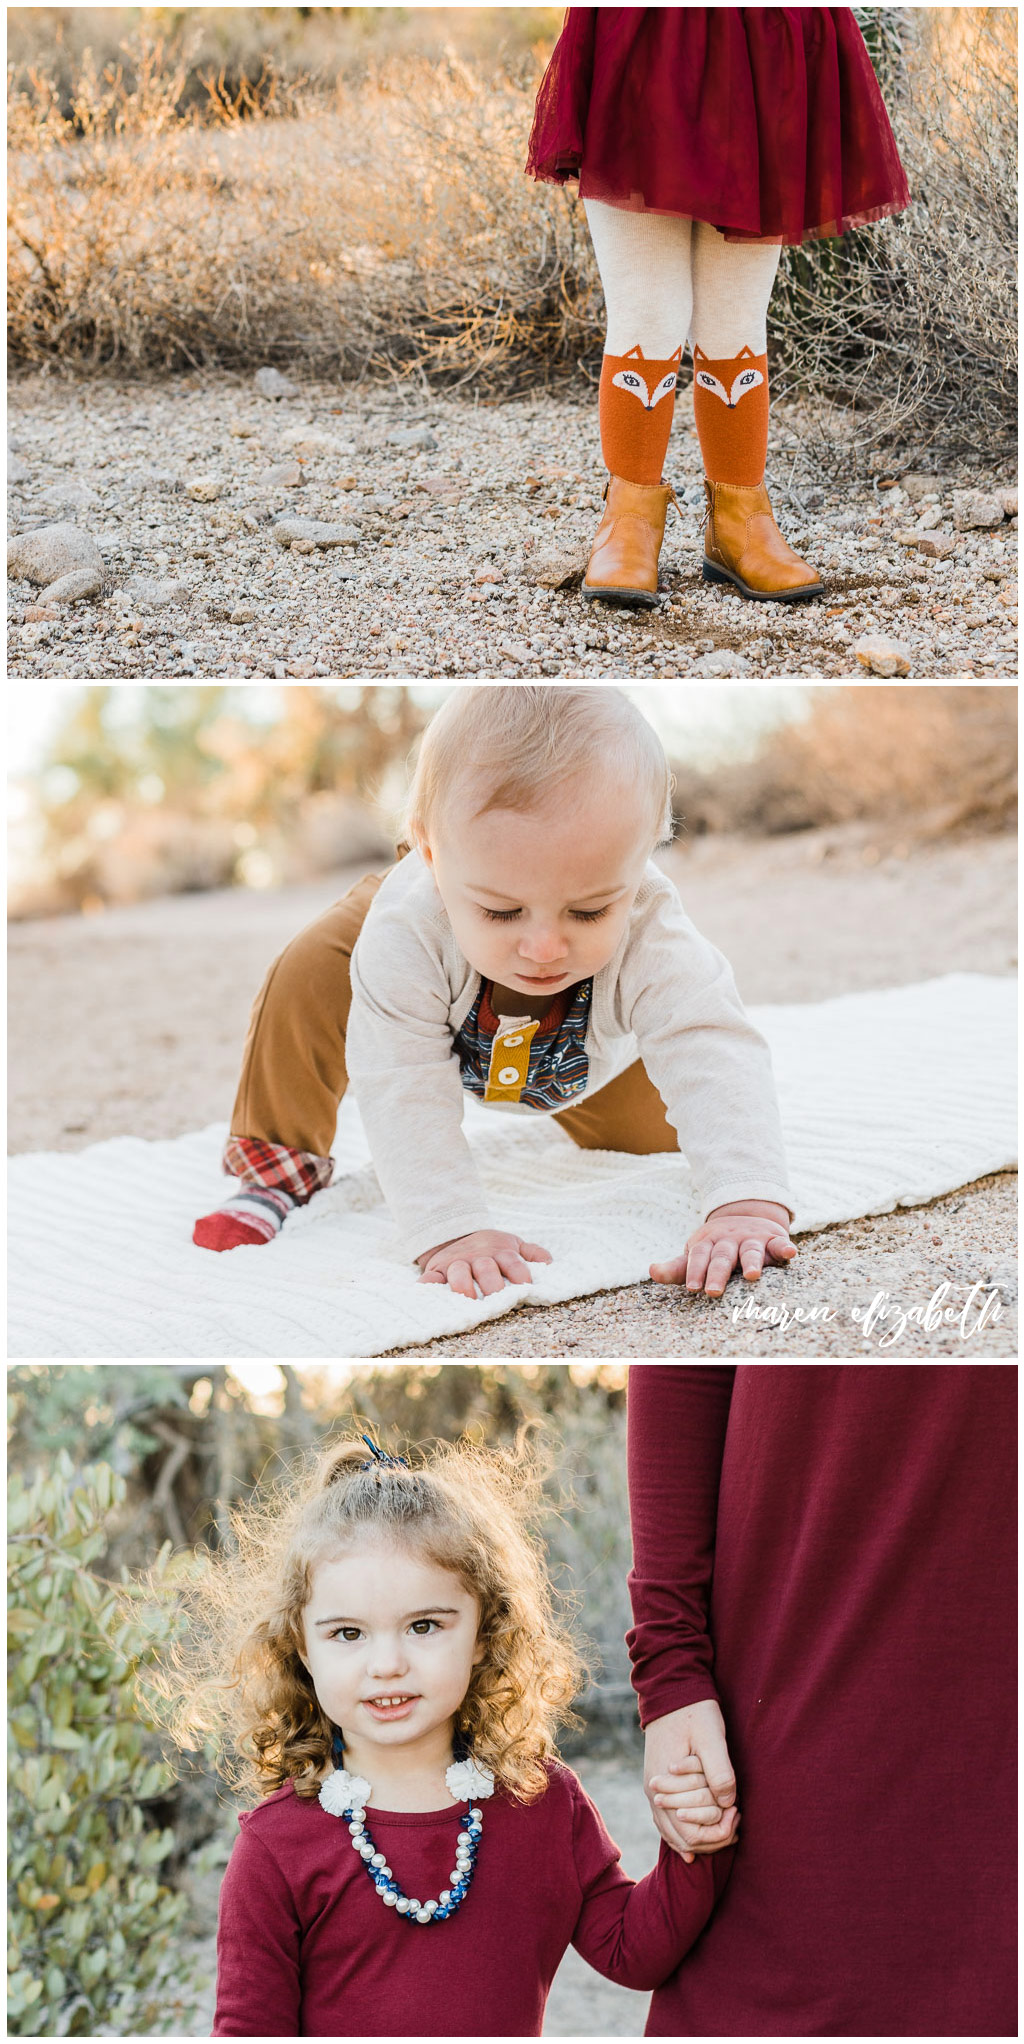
x=668, y=280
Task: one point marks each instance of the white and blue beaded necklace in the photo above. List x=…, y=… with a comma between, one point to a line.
x=346, y=1795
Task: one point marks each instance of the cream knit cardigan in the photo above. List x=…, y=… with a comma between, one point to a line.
x=667, y=996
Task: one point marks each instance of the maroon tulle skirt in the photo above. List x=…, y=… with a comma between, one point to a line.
x=768, y=122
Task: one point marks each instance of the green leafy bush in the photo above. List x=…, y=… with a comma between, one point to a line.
x=89, y=1921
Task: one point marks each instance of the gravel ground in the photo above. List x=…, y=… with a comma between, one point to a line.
x=581, y=2003
x=131, y=1022
x=452, y=508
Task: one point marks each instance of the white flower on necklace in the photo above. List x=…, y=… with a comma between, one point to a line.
x=467, y=1778
x=343, y=1791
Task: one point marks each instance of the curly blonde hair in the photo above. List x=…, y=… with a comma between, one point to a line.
x=467, y=1509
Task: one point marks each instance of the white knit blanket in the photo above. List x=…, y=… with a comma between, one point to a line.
x=888, y=1099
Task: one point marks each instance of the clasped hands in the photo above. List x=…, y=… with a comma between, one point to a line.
x=744, y=1232
x=689, y=1780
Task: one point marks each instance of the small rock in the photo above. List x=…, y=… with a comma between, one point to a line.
x=937, y=545
x=72, y=588
x=243, y=614
x=157, y=590
x=412, y=436
x=305, y=533
x=37, y=613
x=312, y=440
x=204, y=489
x=514, y=649
x=488, y=575
x=240, y=429
x=17, y=471
x=51, y=551
x=881, y=655
x=930, y=517
x=282, y=475
x=976, y=510
x=722, y=662
x=915, y=486
x=562, y=570
x=271, y=383
x=32, y=634
x=70, y=496
x=1008, y=500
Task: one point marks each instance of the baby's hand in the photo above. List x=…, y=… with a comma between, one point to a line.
x=742, y=1232
x=486, y=1258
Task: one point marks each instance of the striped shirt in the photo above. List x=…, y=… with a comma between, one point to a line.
x=558, y=1062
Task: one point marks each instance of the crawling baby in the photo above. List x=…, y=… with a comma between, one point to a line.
x=524, y=948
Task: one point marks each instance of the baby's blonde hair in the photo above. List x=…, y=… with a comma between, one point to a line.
x=239, y=1668
x=512, y=747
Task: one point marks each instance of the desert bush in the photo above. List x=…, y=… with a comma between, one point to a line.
x=256, y=50
x=935, y=761
x=88, y=1912
x=903, y=335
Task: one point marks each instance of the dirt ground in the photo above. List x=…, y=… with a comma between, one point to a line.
x=131, y=1022
x=432, y=521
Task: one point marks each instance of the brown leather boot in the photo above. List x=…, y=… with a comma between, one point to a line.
x=743, y=545
x=623, y=565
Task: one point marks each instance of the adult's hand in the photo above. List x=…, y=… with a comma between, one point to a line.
x=698, y=1730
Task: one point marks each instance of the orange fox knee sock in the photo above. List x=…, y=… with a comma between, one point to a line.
x=730, y=410
x=635, y=406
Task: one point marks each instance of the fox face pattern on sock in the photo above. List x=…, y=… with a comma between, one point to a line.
x=730, y=410
x=635, y=406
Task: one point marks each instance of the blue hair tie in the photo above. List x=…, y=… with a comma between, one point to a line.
x=380, y=1459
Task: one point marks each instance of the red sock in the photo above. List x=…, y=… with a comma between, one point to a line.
x=254, y=1215
x=274, y=1179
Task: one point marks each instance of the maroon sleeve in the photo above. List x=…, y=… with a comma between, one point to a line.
x=636, y=1932
x=677, y=1417
x=258, y=1992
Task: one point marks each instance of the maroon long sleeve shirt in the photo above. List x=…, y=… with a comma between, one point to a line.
x=306, y=1947
x=829, y=1551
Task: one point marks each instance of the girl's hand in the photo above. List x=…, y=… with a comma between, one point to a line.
x=486, y=1258
x=684, y=1792
x=743, y=1232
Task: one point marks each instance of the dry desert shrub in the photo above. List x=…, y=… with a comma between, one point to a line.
x=388, y=229
x=903, y=335
x=382, y=226
x=935, y=761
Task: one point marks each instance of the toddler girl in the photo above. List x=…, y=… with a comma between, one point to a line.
x=420, y=1860
x=527, y=951
x=703, y=139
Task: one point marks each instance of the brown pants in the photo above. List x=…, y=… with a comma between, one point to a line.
x=293, y=1065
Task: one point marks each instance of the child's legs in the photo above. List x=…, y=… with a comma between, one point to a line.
x=644, y=261
x=293, y=1065
x=628, y=1114
x=732, y=284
